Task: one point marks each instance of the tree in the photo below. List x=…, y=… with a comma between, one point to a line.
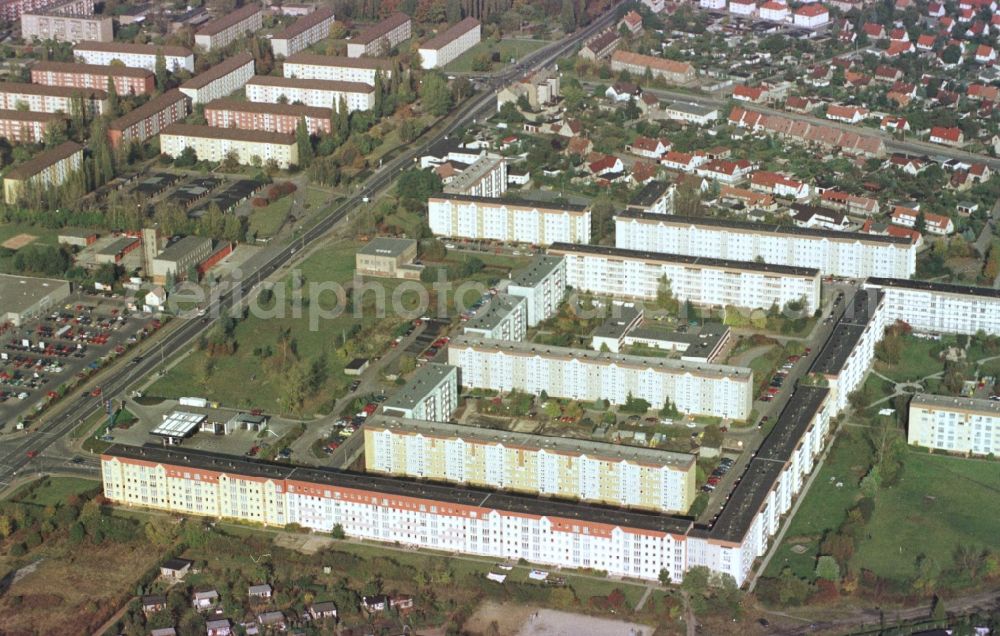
x=103, y=160
x=952, y=54
x=418, y=185
x=453, y=11
x=303, y=142
x=379, y=106
x=567, y=16
x=938, y=611
x=160, y=69
x=827, y=568
x=435, y=94
x=338, y=532
x=296, y=388
x=664, y=577
x=114, y=104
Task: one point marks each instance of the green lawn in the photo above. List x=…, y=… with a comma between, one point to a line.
x=266, y=221
x=508, y=48
x=825, y=505
x=54, y=490
x=940, y=503
x=44, y=236
x=918, y=360
x=763, y=367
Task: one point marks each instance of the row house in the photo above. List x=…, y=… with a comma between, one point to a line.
x=933, y=223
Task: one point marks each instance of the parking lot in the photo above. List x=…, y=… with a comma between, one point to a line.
x=45, y=357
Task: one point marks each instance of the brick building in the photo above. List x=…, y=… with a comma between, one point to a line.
x=149, y=119
x=280, y=118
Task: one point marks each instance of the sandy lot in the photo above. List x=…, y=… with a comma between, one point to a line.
x=515, y=620
x=18, y=241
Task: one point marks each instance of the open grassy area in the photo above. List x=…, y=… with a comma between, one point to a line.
x=54, y=490
x=938, y=505
x=919, y=359
x=763, y=367
x=508, y=48
x=265, y=222
x=44, y=236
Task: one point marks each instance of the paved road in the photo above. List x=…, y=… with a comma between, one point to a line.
x=13, y=456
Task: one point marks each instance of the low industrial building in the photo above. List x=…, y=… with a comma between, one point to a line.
x=179, y=258
x=388, y=258
x=45, y=170
x=25, y=297
x=430, y=395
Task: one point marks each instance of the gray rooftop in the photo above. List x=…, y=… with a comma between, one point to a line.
x=847, y=332
x=495, y=312
x=178, y=250
x=385, y=246
x=20, y=293
x=564, y=445
x=426, y=379
x=536, y=272
x=952, y=403
x=690, y=109
x=473, y=174
x=117, y=246
x=617, y=324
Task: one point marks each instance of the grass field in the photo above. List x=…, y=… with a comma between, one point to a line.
x=918, y=360
x=938, y=505
x=266, y=221
x=44, y=236
x=55, y=490
x=512, y=48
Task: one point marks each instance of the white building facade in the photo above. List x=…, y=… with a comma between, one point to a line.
x=543, y=285
x=938, y=307
x=316, y=93
x=134, y=55
x=450, y=43
x=336, y=69
x=506, y=220
x=955, y=424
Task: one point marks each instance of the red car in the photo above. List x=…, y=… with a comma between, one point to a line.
x=32, y=454
x=773, y=390
x=96, y=392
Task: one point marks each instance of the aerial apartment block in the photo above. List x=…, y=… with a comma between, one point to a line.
x=315, y=93
x=303, y=33
x=940, y=307
x=213, y=144
x=599, y=472
x=336, y=69
x=832, y=252
x=281, y=118
x=66, y=27
x=134, y=55
x=11, y=10
x=507, y=220
x=46, y=169
x=430, y=395
x=450, y=43
x=636, y=64
x=505, y=317
x=700, y=389
x=379, y=39
x=221, y=80
x=149, y=119
x=226, y=29
x=955, y=424
x=127, y=81
x=26, y=126
x=485, y=177
x=631, y=274
x=542, y=284
x=51, y=99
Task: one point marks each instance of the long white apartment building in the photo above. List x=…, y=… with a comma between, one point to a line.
x=431, y=395
x=378, y=40
x=542, y=284
x=955, y=424
x=940, y=307
x=631, y=274
x=833, y=253
x=579, y=374
x=504, y=317
x=304, y=32
x=450, y=43
x=847, y=355
x=498, y=525
x=508, y=220
x=39, y=98
x=221, y=80
x=214, y=144
x=134, y=55
x=600, y=472
x=485, y=177
x=226, y=29
x=316, y=93
x=336, y=69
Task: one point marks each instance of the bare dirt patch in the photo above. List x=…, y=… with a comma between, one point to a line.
x=18, y=241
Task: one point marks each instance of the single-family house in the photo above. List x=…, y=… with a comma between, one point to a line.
x=948, y=136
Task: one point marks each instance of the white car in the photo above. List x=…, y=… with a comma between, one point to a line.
x=691, y=425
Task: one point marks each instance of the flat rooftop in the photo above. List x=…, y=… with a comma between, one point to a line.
x=425, y=380
x=179, y=424
x=937, y=288
x=464, y=495
x=689, y=261
x=604, y=357
x=618, y=323
x=764, y=228
x=690, y=109
x=649, y=194
x=510, y=439
x=952, y=403
x=495, y=312
x=179, y=249
x=20, y=293
x=510, y=202
x=847, y=332
x=539, y=269
x=117, y=246
x=792, y=423
x=387, y=246
x=471, y=175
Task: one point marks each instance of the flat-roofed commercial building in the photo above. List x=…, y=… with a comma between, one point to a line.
x=336, y=69
x=508, y=220
x=505, y=317
x=631, y=274
x=66, y=27
x=127, y=80
x=135, y=55
x=543, y=284
x=149, y=119
x=45, y=170
x=955, y=424
x=179, y=257
x=832, y=252
x=27, y=126
x=221, y=80
x=213, y=144
x=315, y=93
x=227, y=29
x=24, y=297
x=847, y=355
x=486, y=177
x=450, y=43
x=51, y=99
x=599, y=472
x=388, y=257
x=379, y=39
x=304, y=32
x=940, y=307
x=576, y=374
x=279, y=118
x=431, y=395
